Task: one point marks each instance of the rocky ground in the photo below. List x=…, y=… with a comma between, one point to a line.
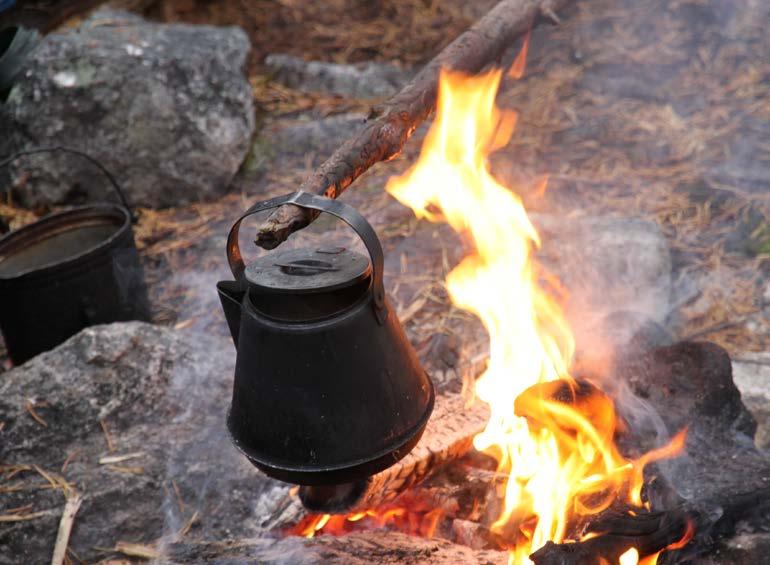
x=651, y=120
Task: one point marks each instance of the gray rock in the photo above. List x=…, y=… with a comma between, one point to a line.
x=744, y=549
x=163, y=396
x=751, y=373
x=362, y=80
x=165, y=108
x=303, y=143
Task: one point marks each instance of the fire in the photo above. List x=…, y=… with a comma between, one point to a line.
x=554, y=437
x=420, y=522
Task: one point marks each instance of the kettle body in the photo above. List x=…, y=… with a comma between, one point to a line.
x=327, y=388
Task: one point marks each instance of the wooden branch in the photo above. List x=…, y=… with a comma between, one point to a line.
x=390, y=125
x=448, y=436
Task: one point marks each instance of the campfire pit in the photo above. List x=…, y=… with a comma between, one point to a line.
x=618, y=144
x=721, y=486
x=575, y=479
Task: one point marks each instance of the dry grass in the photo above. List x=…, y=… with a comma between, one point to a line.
x=408, y=32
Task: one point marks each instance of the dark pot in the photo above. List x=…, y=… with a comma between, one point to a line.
x=67, y=271
x=327, y=387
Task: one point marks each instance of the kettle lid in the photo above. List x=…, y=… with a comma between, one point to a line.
x=305, y=271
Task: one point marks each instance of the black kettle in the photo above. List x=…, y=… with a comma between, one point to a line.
x=327, y=388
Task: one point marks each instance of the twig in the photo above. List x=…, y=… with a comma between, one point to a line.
x=137, y=550
x=69, y=460
x=65, y=528
x=189, y=524
x=23, y=517
x=107, y=436
x=112, y=459
x=179, y=499
x=30, y=406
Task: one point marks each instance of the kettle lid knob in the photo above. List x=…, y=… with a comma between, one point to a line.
x=308, y=271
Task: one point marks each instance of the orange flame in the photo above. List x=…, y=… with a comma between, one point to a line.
x=554, y=439
x=416, y=522
x=519, y=64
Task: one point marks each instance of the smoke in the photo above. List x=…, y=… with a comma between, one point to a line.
x=211, y=491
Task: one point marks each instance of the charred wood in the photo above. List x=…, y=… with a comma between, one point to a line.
x=390, y=125
x=649, y=533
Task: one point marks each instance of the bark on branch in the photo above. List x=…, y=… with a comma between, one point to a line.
x=390, y=125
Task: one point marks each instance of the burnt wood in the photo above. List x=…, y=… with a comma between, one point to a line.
x=720, y=481
x=391, y=124
x=648, y=532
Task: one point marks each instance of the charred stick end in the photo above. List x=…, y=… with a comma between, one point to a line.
x=283, y=222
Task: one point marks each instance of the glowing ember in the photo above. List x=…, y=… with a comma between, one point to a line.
x=630, y=557
x=416, y=522
x=554, y=441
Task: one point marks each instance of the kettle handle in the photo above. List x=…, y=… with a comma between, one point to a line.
x=343, y=211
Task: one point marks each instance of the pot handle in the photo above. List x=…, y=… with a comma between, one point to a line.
x=119, y=191
x=343, y=211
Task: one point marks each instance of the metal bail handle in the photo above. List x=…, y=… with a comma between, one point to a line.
x=344, y=212
x=119, y=191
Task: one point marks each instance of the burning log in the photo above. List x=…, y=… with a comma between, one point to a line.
x=448, y=436
x=649, y=533
x=391, y=124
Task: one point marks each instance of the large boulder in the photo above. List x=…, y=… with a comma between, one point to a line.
x=132, y=416
x=165, y=108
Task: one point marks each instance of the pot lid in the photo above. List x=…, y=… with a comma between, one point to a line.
x=303, y=271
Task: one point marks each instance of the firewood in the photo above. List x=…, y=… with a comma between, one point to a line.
x=448, y=436
x=648, y=532
x=390, y=125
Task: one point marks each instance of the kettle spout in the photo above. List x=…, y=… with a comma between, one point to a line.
x=231, y=295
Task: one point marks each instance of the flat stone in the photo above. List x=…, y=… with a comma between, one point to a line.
x=165, y=108
x=162, y=395
x=744, y=549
